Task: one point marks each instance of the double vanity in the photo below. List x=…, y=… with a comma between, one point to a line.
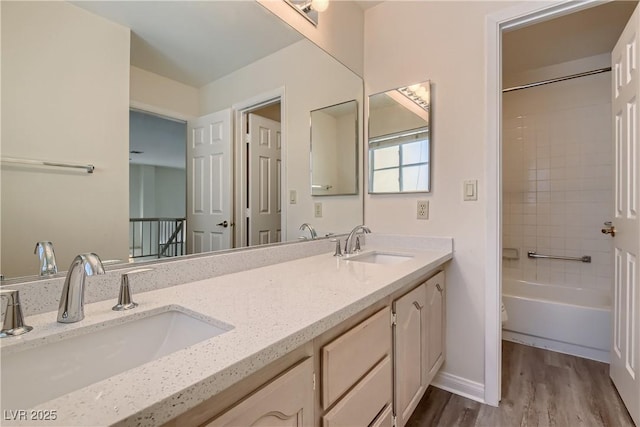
x=295, y=335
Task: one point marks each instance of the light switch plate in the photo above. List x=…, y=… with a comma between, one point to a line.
x=293, y=197
x=317, y=209
x=470, y=190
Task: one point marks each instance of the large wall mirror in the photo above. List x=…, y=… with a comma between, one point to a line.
x=400, y=140
x=81, y=79
x=334, y=150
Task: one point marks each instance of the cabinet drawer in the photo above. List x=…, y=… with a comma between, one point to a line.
x=349, y=357
x=361, y=406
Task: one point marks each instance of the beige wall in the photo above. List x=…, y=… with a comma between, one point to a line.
x=162, y=95
x=157, y=191
x=54, y=112
x=339, y=31
x=347, y=154
x=334, y=152
x=408, y=42
x=312, y=80
x=324, y=150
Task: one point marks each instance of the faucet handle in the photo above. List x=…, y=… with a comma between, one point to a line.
x=47, y=257
x=338, y=251
x=13, y=323
x=124, y=297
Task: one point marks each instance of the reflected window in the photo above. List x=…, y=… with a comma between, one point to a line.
x=399, y=162
x=400, y=140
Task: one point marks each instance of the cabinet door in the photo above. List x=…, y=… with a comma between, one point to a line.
x=285, y=401
x=384, y=419
x=410, y=340
x=435, y=326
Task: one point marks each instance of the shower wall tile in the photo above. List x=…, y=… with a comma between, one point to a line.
x=558, y=181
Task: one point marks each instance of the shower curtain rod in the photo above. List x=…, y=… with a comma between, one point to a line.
x=558, y=79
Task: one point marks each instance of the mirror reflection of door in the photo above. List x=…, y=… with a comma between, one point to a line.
x=157, y=185
x=264, y=176
x=209, y=183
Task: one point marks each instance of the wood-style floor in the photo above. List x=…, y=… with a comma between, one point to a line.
x=539, y=388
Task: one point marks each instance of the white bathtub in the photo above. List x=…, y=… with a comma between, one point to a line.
x=567, y=320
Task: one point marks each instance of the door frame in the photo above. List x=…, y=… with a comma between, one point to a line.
x=241, y=111
x=178, y=117
x=507, y=19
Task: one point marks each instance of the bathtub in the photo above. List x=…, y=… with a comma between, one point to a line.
x=566, y=320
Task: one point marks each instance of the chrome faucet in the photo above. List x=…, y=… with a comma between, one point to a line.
x=350, y=243
x=312, y=230
x=13, y=323
x=71, y=308
x=47, y=258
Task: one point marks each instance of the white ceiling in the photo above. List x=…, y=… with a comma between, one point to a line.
x=339, y=110
x=579, y=35
x=196, y=42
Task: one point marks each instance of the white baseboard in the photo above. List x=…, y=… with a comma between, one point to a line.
x=460, y=386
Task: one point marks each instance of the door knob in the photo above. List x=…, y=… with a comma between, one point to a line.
x=609, y=229
x=224, y=224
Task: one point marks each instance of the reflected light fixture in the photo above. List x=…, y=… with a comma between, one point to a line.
x=417, y=93
x=320, y=5
x=309, y=8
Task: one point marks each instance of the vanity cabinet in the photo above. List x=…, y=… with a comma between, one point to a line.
x=285, y=401
x=370, y=370
x=418, y=343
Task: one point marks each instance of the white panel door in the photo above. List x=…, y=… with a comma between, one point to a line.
x=265, y=198
x=625, y=351
x=209, y=183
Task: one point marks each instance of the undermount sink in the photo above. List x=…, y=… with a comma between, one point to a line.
x=38, y=374
x=377, y=257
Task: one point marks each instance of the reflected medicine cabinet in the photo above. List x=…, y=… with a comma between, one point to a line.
x=400, y=140
x=334, y=150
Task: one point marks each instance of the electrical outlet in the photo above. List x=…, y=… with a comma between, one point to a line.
x=423, y=209
x=317, y=208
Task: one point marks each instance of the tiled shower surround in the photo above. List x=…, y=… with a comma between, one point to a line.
x=558, y=181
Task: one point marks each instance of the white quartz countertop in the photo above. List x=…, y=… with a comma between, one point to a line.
x=273, y=310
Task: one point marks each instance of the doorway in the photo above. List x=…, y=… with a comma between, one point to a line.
x=259, y=174
x=157, y=185
x=557, y=186
x=498, y=25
